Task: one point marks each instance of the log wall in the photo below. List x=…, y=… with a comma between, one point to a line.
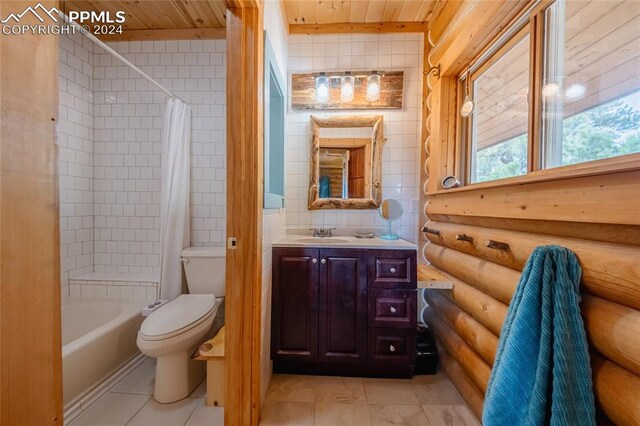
x=594, y=210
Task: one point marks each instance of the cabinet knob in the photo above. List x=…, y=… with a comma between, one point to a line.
x=393, y=270
x=392, y=348
x=393, y=309
x=314, y=260
x=323, y=261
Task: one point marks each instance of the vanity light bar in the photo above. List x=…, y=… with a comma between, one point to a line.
x=347, y=85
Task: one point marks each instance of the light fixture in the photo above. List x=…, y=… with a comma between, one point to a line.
x=575, y=91
x=550, y=90
x=347, y=87
x=322, y=88
x=373, y=87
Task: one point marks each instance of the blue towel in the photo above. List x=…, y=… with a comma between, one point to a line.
x=542, y=375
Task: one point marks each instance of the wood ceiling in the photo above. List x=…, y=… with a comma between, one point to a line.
x=356, y=11
x=166, y=19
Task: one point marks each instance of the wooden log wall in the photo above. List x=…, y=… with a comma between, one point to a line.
x=592, y=209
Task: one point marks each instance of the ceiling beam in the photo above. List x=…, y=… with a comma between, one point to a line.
x=167, y=34
x=369, y=27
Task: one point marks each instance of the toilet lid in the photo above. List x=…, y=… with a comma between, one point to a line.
x=177, y=316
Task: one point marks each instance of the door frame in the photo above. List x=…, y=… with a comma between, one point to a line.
x=245, y=137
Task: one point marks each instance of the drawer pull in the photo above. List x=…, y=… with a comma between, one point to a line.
x=393, y=270
x=314, y=260
x=323, y=261
x=392, y=348
x=393, y=309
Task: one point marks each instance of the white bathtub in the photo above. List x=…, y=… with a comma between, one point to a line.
x=98, y=338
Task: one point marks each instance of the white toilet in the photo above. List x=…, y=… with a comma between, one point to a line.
x=173, y=332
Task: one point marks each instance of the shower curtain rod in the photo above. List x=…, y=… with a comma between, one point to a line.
x=116, y=54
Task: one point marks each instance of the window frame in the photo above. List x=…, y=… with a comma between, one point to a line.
x=467, y=123
x=531, y=22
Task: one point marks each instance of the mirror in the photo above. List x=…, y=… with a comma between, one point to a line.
x=390, y=210
x=346, y=162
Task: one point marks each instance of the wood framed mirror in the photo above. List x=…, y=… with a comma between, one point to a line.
x=345, y=171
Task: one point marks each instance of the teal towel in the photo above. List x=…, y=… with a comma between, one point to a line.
x=542, y=375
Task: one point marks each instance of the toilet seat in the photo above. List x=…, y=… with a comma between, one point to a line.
x=178, y=316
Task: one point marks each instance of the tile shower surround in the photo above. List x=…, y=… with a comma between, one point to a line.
x=109, y=141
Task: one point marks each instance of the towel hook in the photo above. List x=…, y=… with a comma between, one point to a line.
x=430, y=230
x=497, y=245
x=464, y=237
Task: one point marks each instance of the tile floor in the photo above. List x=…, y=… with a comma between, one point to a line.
x=334, y=401
x=130, y=402
x=291, y=400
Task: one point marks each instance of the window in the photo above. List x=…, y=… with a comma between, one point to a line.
x=274, y=122
x=584, y=60
x=501, y=115
x=591, y=86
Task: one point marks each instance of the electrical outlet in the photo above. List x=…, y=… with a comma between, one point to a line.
x=414, y=206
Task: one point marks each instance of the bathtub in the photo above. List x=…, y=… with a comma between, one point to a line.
x=98, y=338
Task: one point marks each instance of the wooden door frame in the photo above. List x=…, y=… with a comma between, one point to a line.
x=245, y=184
x=30, y=335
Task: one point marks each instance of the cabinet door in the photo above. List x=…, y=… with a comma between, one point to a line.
x=343, y=306
x=294, y=317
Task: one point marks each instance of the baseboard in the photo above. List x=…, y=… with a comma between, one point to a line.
x=79, y=404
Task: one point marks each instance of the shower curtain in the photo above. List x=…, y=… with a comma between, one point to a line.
x=174, y=196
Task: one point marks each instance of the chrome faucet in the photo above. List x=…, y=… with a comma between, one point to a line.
x=322, y=232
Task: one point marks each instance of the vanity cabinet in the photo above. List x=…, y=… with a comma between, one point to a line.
x=344, y=311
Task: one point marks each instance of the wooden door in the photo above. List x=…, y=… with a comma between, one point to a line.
x=357, y=164
x=343, y=306
x=294, y=317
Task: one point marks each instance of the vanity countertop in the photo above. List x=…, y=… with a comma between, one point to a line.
x=343, y=242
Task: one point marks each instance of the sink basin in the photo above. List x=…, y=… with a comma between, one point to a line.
x=327, y=240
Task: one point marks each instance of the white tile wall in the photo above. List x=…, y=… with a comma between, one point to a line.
x=273, y=228
x=400, y=158
x=128, y=122
x=102, y=285
x=273, y=221
x=75, y=157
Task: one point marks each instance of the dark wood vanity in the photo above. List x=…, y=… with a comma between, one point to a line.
x=344, y=311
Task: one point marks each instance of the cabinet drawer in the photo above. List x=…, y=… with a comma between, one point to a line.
x=392, y=269
x=392, y=346
x=392, y=308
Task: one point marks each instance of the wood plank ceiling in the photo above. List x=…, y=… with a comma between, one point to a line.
x=167, y=19
x=331, y=16
x=356, y=11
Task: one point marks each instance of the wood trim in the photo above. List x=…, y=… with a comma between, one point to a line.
x=167, y=34
x=368, y=27
x=30, y=334
x=244, y=215
x=624, y=163
x=377, y=140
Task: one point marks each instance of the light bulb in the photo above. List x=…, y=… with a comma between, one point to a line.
x=322, y=88
x=347, y=88
x=373, y=87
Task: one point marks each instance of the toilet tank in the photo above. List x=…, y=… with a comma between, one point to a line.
x=204, y=268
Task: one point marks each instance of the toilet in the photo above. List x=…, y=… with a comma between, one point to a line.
x=174, y=331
